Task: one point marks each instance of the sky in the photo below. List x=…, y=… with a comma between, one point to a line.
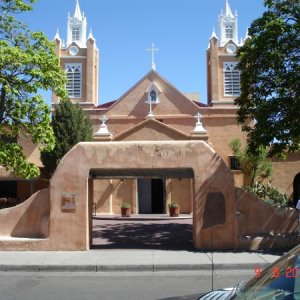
x=124, y=29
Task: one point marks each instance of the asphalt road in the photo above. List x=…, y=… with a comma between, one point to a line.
x=114, y=286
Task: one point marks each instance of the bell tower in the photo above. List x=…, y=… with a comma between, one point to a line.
x=228, y=25
x=79, y=57
x=223, y=76
x=76, y=28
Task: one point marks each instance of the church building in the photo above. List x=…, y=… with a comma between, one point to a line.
x=151, y=147
x=154, y=110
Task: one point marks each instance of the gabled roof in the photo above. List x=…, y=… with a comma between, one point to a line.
x=174, y=96
x=159, y=131
x=106, y=105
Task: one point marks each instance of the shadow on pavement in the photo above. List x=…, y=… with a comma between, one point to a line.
x=142, y=235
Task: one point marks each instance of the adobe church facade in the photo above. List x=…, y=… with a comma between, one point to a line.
x=154, y=110
x=152, y=146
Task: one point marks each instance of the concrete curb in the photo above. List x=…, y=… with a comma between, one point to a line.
x=127, y=268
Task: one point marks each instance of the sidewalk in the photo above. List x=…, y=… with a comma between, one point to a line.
x=131, y=260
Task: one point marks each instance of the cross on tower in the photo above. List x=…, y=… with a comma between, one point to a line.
x=152, y=49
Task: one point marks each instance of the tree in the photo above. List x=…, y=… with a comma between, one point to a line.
x=270, y=79
x=28, y=64
x=71, y=126
x=255, y=167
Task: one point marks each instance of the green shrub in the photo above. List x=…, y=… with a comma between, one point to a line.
x=125, y=205
x=269, y=194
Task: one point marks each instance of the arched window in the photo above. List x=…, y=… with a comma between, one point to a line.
x=231, y=79
x=153, y=96
x=73, y=85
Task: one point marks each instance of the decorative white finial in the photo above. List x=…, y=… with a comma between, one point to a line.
x=91, y=34
x=57, y=37
x=214, y=35
x=247, y=36
x=152, y=49
x=199, y=127
x=103, y=131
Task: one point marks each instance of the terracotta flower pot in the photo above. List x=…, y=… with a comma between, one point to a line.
x=125, y=211
x=174, y=211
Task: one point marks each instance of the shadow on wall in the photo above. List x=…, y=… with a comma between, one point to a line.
x=261, y=226
x=217, y=208
x=29, y=219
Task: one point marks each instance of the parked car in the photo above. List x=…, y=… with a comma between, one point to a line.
x=279, y=281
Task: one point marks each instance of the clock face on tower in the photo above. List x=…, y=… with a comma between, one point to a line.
x=73, y=50
x=230, y=48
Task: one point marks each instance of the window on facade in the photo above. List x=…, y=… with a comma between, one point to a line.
x=74, y=80
x=234, y=163
x=75, y=34
x=231, y=79
x=228, y=32
x=153, y=96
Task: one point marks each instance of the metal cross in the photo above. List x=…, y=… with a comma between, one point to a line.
x=152, y=49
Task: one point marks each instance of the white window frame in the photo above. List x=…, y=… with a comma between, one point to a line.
x=229, y=31
x=74, y=84
x=75, y=33
x=153, y=88
x=231, y=79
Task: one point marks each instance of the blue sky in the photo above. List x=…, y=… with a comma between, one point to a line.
x=125, y=28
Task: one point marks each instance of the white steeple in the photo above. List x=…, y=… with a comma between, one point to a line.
x=228, y=25
x=76, y=28
x=228, y=9
x=77, y=13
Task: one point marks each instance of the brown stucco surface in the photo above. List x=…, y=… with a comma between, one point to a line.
x=40, y=223
x=262, y=226
x=72, y=175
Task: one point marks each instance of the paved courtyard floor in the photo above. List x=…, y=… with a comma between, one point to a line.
x=146, y=232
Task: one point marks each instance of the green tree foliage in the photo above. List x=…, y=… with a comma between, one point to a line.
x=28, y=64
x=71, y=126
x=270, y=79
x=255, y=167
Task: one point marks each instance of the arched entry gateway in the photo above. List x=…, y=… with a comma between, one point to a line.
x=213, y=187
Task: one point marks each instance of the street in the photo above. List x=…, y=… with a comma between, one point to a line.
x=114, y=286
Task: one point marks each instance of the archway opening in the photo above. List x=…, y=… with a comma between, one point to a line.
x=149, y=192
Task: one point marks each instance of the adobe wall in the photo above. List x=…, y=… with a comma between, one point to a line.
x=26, y=226
x=222, y=215
x=290, y=168
x=261, y=226
x=70, y=230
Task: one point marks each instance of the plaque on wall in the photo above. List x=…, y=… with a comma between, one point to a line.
x=68, y=202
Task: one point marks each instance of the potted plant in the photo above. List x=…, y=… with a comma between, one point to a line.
x=125, y=209
x=174, y=209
